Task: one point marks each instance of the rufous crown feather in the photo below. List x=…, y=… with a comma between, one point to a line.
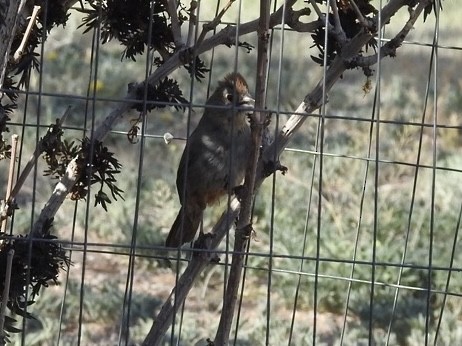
x=237, y=81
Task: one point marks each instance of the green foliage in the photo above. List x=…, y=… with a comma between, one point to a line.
x=99, y=166
x=35, y=262
x=126, y=21
x=166, y=93
x=351, y=27
x=94, y=162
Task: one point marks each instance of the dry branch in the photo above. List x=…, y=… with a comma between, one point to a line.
x=8, y=29
x=5, y=205
x=176, y=29
x=20, y=51
x=244, y=224
x=13, y=21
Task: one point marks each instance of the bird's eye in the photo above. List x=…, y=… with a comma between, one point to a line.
x=229, y=97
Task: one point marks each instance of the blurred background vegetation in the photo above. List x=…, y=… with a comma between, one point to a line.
x=347, y=215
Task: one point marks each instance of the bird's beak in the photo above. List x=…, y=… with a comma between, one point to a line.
x=247, y=103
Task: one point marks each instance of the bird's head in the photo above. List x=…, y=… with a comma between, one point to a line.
x=236, y=91
x=233, y=91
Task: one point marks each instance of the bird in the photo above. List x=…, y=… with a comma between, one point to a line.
x=215, y=157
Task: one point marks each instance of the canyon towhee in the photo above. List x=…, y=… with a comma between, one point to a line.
x=215, y=157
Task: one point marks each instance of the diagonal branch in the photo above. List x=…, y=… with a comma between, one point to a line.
x=20, y=51
x=198, y=262
x=214, y=23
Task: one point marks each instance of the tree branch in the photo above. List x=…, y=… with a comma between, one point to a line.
x=176, y=30
x=20, y=51
x=244, y=223
x=8, y=29
x=292, y=19
x=364, y=21
x=192, y=22
x=198, y=262
x=338, y=30
x=214, y=23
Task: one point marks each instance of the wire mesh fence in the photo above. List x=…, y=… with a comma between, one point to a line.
x=355, y=244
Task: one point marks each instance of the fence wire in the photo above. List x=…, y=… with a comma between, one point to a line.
x=357, y=244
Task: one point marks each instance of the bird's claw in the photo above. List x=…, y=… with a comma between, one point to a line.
x=271, y=167
x=240, y=192
x=247, y=232
x=204, y=245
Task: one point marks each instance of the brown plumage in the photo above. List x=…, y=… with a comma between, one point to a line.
x=207, y=170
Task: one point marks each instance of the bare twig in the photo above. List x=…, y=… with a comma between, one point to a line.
x=317, y=10
x=14, y=147
x=20, y=51
x=338, y=32
x=176, y=29
x=292, y=19
x=5, y=295
x=57, y=198
x=214, y=23
x=8, y=30
x=192, y=22
x=364, y=22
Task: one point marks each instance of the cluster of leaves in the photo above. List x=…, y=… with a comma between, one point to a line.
x=5, y=111
x=166, y=93
x=350, y=25
x=99, y=167
x=95, y=163
x=129, y=23
x=430, y=7
x=198, y=69
x=55, y=15
x=138, y=26
x=35, y=263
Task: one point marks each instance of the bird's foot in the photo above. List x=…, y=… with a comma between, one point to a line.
x=203, y=247
x=271, y=167
x=240, y=192
x=247, y=232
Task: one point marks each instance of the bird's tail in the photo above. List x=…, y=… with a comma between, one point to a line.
x=185, y=227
